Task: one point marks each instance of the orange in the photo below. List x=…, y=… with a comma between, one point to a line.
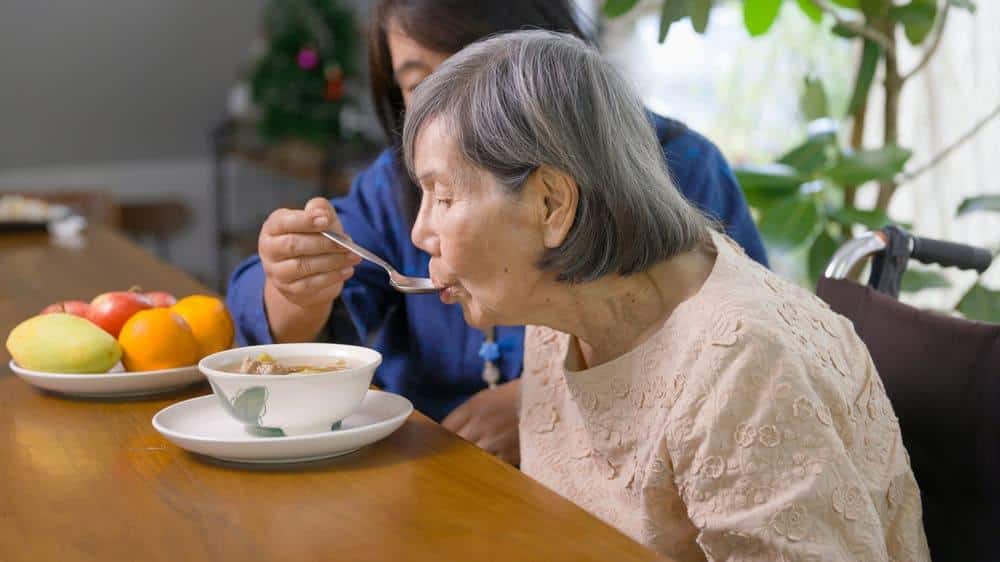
x=209, y=320
x=157, y=338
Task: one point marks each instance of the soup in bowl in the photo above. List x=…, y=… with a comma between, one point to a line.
x=293, y=388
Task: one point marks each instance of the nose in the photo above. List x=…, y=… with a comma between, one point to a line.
x=423, y=234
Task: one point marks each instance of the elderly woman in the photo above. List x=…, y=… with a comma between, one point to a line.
x=672, y=386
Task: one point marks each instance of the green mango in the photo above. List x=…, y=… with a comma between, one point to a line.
x=62, y=343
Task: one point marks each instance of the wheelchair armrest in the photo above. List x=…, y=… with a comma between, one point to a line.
x=950, y=254
x=852, y=252
x=924, y=250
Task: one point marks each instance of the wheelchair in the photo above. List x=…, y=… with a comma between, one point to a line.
x=942, y=376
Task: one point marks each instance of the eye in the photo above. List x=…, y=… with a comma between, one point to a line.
x=443, y=201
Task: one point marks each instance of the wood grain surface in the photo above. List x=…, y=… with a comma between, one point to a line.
x=91, y=480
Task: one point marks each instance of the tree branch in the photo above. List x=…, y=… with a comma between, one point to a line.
x=857, y=27
x=857, y=140
x=938, y=32
x=908, y=176
x=890, y=135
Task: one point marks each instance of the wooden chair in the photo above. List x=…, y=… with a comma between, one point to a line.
x=155, y=220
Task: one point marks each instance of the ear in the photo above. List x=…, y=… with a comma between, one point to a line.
x=560, y=195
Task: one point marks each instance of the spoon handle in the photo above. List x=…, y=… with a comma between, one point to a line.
x=350, y=245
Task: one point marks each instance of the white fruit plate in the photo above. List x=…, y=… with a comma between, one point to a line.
x=113, y=384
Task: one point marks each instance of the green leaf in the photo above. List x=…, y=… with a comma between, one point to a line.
x=981, y=303
x=831, y=197
x=917, y=18
x=790, y=223
x=865, y=165
x=671, y=11
x=811, y=10
x=249, y=404
x=769, y=177
x=919, y=279
x=847, y=3
x=699, y=10
x=759, y=15
x=841, y=31
x=875, y=8
x=814, y=103
x=764, y=200
x=964, y=4
x=615, y=8
x=873, y=219
x=980, y=203
x=870, y=56
x=811, y=156
x=820, y=253
x=226, y=403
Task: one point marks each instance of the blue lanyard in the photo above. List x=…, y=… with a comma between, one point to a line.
x=491, y=352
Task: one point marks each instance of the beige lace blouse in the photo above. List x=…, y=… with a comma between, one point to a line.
x=752, y=426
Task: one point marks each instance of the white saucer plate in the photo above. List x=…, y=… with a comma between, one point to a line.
x=200, y=425
x=111, y=385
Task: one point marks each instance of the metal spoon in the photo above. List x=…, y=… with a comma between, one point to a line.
x=400, y=282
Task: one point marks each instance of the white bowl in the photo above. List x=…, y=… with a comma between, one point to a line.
x=294, y=404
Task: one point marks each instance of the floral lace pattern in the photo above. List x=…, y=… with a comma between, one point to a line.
x=753, y=426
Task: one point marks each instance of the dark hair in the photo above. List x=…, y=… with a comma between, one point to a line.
x=446, y=26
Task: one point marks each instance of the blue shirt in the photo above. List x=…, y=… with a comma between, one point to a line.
x=430, y=355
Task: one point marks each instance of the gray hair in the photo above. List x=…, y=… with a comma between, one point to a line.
x=521, y=100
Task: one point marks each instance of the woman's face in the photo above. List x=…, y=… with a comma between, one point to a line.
x=411, y=62
x=483, y=242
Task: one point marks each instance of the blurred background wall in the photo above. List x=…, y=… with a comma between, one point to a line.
x=123, y=95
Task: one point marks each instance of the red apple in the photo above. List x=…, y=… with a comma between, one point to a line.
x=111, y=310
x=161, y=299
x=77, y=308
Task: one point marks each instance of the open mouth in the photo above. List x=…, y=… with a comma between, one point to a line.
x=451, y=288
x=450, y=292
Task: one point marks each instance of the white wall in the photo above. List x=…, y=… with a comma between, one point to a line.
x=122, y=95
x=115, y=80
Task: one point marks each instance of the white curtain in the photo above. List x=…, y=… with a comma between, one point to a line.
x=959, y=87
x=743, y=94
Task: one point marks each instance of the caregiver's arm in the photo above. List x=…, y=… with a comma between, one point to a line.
x=259, y=306
x=304, y=271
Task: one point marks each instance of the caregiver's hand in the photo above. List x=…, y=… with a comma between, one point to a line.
x=304, y=271
x=489, y=419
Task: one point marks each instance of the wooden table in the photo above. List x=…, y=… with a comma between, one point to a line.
x=92, y=480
